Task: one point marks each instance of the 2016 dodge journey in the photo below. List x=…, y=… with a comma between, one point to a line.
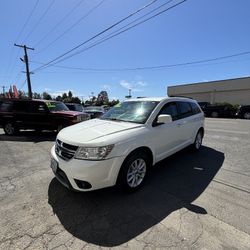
x=121, y=146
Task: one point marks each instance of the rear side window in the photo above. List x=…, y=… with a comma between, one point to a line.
x=6, y=106
x=195, y=108
x=185, y=109
x=170, y=109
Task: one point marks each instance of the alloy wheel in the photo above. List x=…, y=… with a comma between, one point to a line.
x=136, y=173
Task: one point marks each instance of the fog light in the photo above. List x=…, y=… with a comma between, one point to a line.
x=83, y=184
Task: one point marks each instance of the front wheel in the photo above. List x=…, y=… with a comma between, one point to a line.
x=134, y=171
x=59, y=128
x=9, y=128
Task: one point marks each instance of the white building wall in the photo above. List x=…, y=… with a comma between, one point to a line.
x=234, y=91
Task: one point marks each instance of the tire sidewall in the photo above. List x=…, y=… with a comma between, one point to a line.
x=13, y=126
x=214, y=114
x=194, y=145
x=122, y=177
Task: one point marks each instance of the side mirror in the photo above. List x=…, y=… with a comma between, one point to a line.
x=162, y=119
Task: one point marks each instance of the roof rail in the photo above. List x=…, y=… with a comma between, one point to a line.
x=181, y=96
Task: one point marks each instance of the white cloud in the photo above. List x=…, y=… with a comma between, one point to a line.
x=61, y=92
x=125, y=84
x=106, y=87
x=141, y=83
x=134, y=86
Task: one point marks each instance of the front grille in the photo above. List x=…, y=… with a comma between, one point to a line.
x=64, y=150
x=85, y=117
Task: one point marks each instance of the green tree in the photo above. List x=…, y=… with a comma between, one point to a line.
x=46, y=96
x=36, y=95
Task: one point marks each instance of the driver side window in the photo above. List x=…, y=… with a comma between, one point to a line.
x=170, y=109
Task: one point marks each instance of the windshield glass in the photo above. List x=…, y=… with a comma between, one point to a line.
x=93, y=108
x=57, y=106
x=132, y=111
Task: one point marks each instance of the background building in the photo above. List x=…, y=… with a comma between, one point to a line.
x=234, y=91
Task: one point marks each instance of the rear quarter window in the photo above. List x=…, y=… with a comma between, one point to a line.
x=195, y=108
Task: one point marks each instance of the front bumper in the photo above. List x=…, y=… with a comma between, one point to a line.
x=99, y=174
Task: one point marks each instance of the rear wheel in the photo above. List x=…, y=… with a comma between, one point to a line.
x=134, y=171
x=198, y=140
x=246, y=115
x=214, y=114
x=10, y=128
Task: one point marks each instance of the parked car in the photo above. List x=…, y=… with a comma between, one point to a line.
x=204, y=105
x=121, y=146
x=243, y=112
x=216, y=111
x=40, y=115
x=75, y=107
x=94, y=111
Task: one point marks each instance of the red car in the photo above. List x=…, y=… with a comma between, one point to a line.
x=16, y=114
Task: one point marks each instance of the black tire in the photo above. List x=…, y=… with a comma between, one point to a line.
x=215, y=114
x=10, y=128
x=134, y=169
x=246, y=115
x=59, y=128
x=198, y=141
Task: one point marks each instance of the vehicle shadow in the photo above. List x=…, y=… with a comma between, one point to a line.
x=109, y=217
x=30, y=136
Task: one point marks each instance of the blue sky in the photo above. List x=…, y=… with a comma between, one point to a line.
x=193, y=31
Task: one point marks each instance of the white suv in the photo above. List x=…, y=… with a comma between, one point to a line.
x=121, y=146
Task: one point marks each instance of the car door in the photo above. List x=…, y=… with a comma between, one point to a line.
x=39, y=115
x=166, y=137
x=185, y=122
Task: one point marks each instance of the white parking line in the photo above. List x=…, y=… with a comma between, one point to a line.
x=218, y=121
x=228, y=131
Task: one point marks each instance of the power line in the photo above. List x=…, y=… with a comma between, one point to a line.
x=12, y=63
x=72, y=26
x=118, y=32
x=27, y=20
x=39, y=20
x=98, y=34
x=21, y=87
x=59, y=23
x=151, y=67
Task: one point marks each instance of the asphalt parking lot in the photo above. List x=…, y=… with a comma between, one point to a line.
x=191, y=201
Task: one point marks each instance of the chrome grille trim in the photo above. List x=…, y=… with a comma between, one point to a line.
x=64, y=150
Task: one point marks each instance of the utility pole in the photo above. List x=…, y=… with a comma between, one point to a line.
x=3, y=87
x=26, y=61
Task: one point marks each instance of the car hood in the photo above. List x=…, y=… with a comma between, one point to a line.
x=86, y=132
x=68, y=113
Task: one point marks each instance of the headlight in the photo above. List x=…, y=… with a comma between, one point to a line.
x=93, y=153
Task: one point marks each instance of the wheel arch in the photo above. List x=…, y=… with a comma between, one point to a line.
x=144, y=149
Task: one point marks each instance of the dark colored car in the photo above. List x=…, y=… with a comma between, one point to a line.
x=203, y=105
x=219, y=111
x=94, y=111
x=40, y=115
x=243, y=112
x=75, y=107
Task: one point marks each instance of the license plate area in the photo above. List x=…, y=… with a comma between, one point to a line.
x=54, y=165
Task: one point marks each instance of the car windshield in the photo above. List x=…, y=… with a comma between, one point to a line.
x=75, y=107
x=94, y=108
x=57, y=106
x=131, y=111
